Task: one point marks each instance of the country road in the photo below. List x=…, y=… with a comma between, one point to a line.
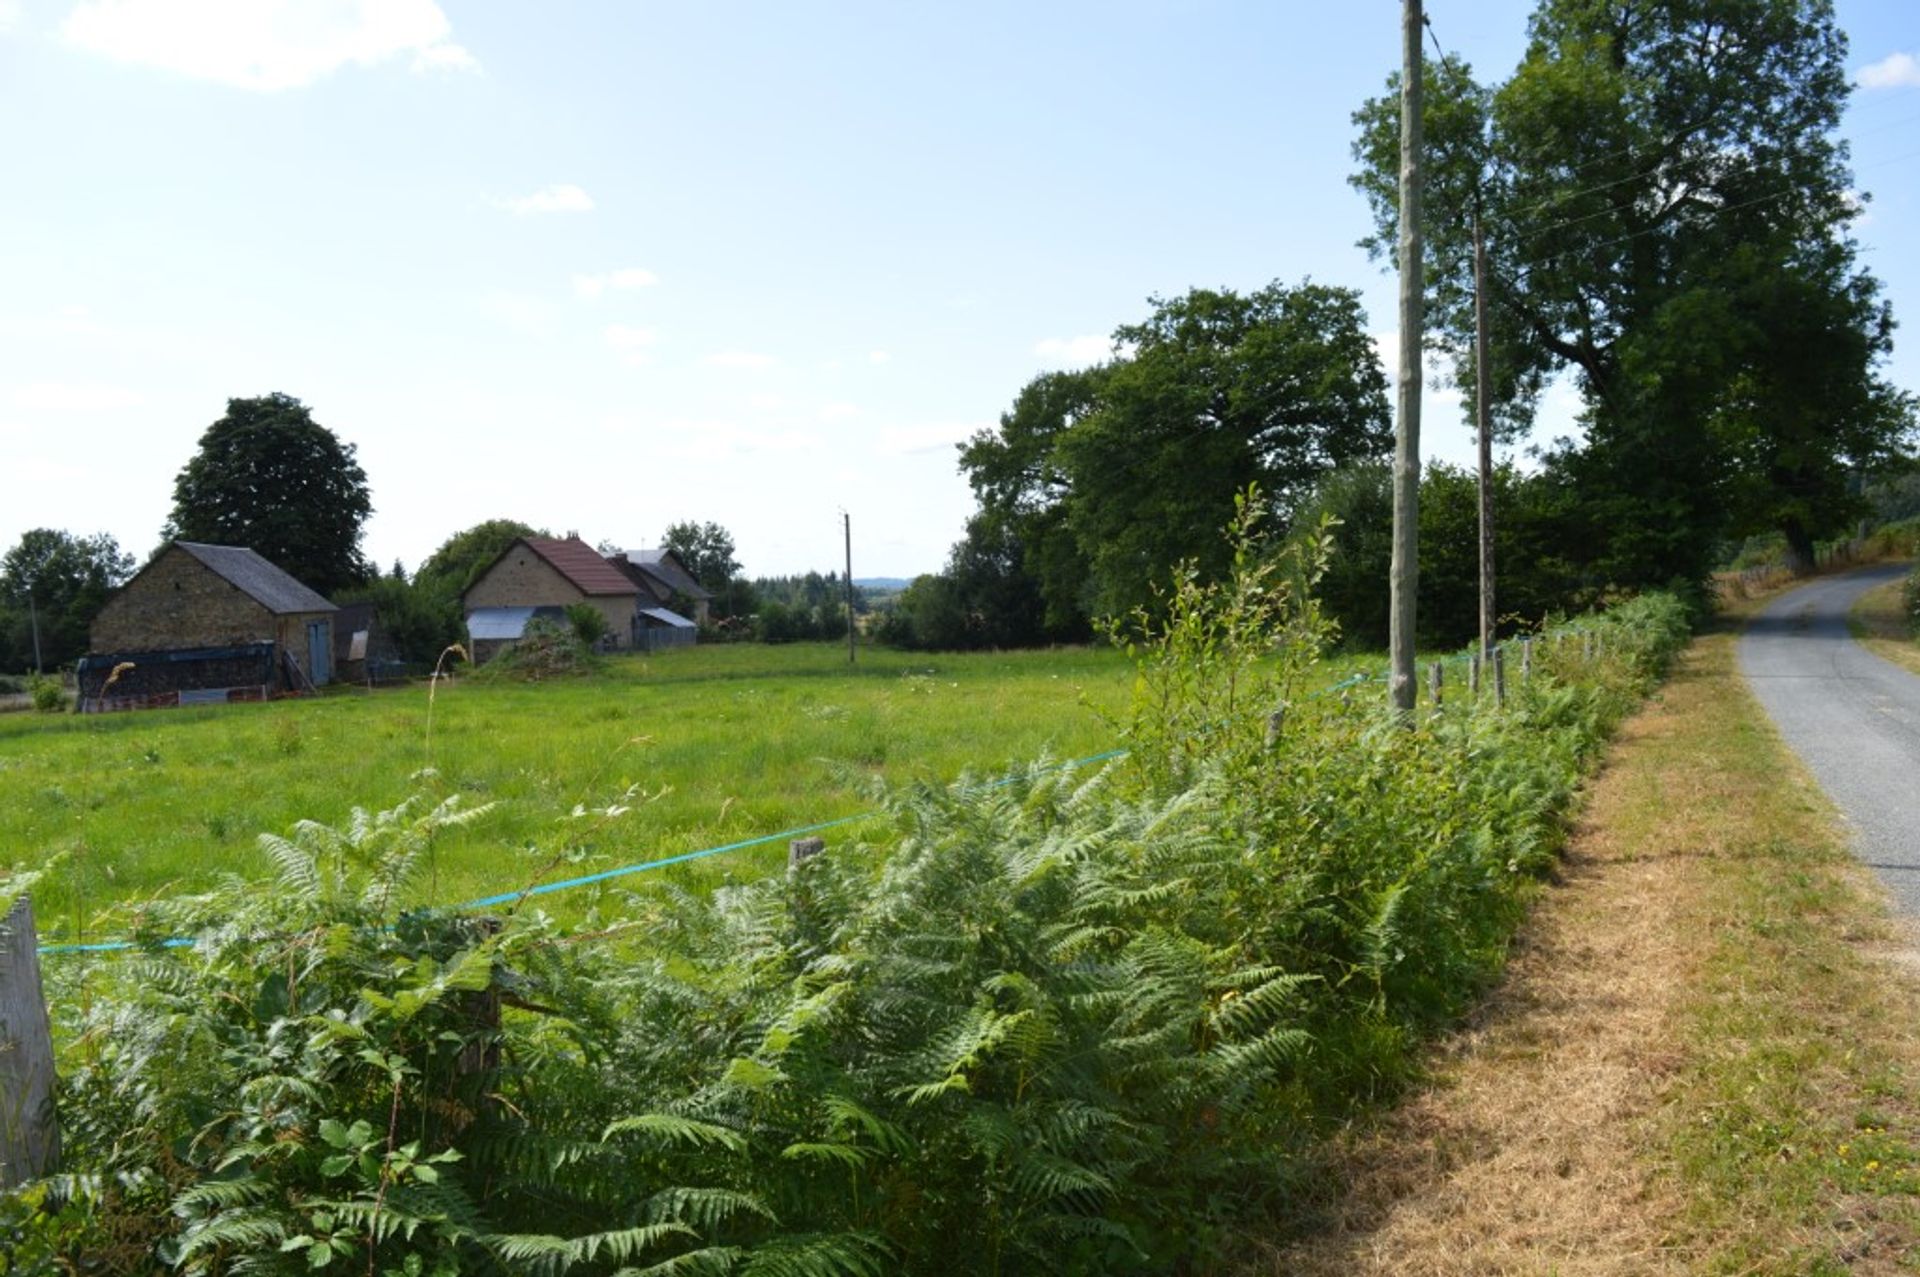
x=1851, y=716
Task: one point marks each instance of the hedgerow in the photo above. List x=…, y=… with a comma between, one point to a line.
x=1063, y=1022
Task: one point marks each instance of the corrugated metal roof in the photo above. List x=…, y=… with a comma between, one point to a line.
x=505, y=622
x=668, y=617
x=581, y=564
x=666, y=565
x=272, y=588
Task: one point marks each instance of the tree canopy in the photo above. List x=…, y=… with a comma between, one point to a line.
x=268, y=476
x=1666, y=210
x=66, y=578
x=1098, y=481
x=707, y=550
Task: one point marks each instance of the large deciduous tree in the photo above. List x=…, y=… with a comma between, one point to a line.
x=268, y=476
x=57, y=580
x=707, y=550
x=1666, y=208
x=1099, y=481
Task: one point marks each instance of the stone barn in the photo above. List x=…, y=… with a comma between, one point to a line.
x=203, y=623
x=536, y=573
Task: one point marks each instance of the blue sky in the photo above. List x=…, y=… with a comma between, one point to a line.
x=606, y=266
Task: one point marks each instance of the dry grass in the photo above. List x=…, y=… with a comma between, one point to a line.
x=1700, y=1044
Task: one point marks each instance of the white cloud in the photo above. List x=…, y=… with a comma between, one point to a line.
x=265, y=45
x=740, y=359
x=902, y=441
x=1075, y=352
x=67, y=321
x=445, y=58
x=561, y=198
x=9, y=15
x=766, y=403
x=838, y=412
x=590, y=286
x=878, y=356
x=54, y=396
x=1895, y=71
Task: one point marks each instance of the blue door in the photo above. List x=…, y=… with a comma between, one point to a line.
x=319, y=652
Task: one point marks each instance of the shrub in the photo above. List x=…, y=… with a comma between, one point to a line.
x=589, y=624
x=544, y=650
x=49, y=697
x=1910, y=593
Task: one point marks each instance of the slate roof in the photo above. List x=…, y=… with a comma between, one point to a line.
x=259, y=579
x=665, y=565
x=581, y=564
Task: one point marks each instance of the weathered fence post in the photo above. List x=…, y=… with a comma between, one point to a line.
x=1275, y=722
x=1473, y=675
x=1526, y=659
x=1434, y=678
x=1586, y=645
x=801, y=850
x=1500, y=676
x=29, y=1126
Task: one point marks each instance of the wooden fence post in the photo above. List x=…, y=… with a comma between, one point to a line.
x=1276, y=721
x=1586, y=645
x=1526, y=659
x=1500, y=676
x=29, y=1125
x=1434, y=678
x=1473, y=675
x=801, y=850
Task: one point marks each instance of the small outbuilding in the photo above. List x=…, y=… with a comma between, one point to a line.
x=202, y=623
x=363, y=651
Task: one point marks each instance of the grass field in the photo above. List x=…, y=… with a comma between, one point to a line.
x=737, y=741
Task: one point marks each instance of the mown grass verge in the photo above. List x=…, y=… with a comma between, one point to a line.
x=1794, y=1126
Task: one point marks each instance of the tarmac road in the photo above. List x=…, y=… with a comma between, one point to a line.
x=1851, y=716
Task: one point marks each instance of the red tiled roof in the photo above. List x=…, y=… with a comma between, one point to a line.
x=581, y=564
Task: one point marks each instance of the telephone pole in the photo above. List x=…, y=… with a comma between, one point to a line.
x=1404, y=577
x=1483, y=425
x=846, y=521
x=33, y=616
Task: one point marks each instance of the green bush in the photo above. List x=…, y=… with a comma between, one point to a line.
x=49, y=697
x=1067, y=1022
x=1910, y=594
x=588, y=622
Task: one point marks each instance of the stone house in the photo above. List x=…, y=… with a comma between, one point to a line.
x=661, y=574
x=205, y=623
x=536, y=573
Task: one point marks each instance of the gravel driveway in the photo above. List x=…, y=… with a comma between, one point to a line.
x=1851, y=716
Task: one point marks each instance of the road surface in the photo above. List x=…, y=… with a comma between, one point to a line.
x=1851, y=716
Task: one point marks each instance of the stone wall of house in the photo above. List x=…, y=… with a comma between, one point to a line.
x=291, y=633
x=178, y=602
x=524, y=579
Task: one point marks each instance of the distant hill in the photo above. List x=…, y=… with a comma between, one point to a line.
x=893, y=583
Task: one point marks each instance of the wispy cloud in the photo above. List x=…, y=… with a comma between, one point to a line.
x=939, y=436
x=9, y=15
x=878, y=356
x=740, y=359
x=561, y=198
x=265, y=45
x=838, y=412
x=55, y=396
x=1895, y=71
x=590, y=286
x=1075, y=352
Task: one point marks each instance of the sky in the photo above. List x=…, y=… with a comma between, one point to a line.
x=603, y=267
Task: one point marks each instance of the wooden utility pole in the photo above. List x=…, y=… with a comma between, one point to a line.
x=33, y=615
x=846, y=521
x=1404, y=578
x=1483, y=426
